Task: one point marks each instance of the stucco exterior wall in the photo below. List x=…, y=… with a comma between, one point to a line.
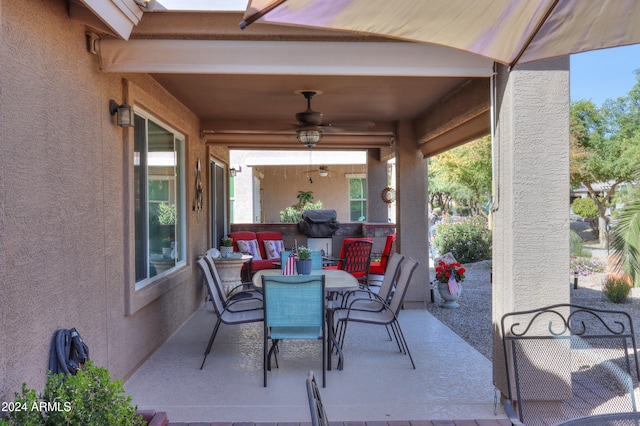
x=411, y=206
x=531, y=224
x=64, y=201
x=281, y=184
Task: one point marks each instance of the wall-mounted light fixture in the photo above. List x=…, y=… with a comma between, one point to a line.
x=309, y=137
x=124, y=114
x=233, y=171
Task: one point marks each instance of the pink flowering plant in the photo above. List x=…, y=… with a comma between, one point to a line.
x=584, y=266
x=444, y=271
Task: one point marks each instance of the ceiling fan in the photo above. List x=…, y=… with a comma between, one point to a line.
x=309, y=127
x=323, y=171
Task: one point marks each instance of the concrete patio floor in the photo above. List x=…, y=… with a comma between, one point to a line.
x=451, y=380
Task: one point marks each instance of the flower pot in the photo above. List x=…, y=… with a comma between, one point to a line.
x=450, y=300
x=304, y=267
x=166, y=251
x=225, y=251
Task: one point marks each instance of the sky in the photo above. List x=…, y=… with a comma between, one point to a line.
x=604, y=74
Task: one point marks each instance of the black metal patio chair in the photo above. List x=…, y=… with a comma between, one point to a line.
x=566, y=361
x=386, y=312
x=318, y=415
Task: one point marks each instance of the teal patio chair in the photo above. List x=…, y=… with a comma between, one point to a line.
x=294, y=308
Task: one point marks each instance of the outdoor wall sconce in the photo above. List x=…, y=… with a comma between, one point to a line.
x=124, y=115
x=309, y=138
x=233, y=171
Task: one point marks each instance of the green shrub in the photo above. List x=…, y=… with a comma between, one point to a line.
x=575, y=243
x=88, y=398
x=468, y=239
x=585, y=207
x=24, y=410
x=616, y=288
x=293, y=214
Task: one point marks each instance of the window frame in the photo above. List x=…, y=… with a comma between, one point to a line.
x=363, y=199
x=140, y=293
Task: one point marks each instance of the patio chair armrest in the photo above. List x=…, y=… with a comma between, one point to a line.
x=243, y=300
x=511, y=413
x=376, y=299
x=242, y=288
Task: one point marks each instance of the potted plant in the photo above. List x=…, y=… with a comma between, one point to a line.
x=166, y=214
x=227, y=246
x=164, y=226
x=449, y=276
x=166, y=247
x=303, y=264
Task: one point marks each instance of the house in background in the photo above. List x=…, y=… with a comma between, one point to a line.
x=266, y=182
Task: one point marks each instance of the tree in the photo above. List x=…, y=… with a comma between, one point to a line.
x=440, y=190
x=587, y=208
x=605, y=145
x=304, y=198
x=625, y=237
x=465, y=172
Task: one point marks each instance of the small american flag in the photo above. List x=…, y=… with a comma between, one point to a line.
x=453, y=285
x=290, y=266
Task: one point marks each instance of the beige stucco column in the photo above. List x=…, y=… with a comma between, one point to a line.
x=377, y=210
x=411, y=211
x=531, y=223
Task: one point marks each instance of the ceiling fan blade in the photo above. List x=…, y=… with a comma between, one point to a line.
x=352, y=124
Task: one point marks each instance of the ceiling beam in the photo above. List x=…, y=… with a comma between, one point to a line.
x=241, y=140
x=289, y=57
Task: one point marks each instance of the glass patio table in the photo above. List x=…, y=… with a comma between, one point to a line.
x=334, y=281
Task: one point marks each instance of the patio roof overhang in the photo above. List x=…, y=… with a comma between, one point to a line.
x=242, y=84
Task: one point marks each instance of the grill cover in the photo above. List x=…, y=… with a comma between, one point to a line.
x=318, y=223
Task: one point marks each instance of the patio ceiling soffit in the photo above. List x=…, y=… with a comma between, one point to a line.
x=246, y=57
x=461, y=117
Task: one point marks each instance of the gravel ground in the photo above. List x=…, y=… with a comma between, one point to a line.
x=472, y=320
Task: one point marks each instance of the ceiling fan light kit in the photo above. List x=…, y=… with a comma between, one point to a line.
x=309, y=138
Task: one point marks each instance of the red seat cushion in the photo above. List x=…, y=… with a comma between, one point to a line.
x=381, y=267
x=376, y=268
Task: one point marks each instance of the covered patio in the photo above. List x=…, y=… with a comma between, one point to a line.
x=210, y=88
x=452, y=380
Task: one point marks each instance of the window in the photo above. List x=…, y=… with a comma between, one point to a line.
x=159, y=199
x=232, y=197
x=358, y=199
